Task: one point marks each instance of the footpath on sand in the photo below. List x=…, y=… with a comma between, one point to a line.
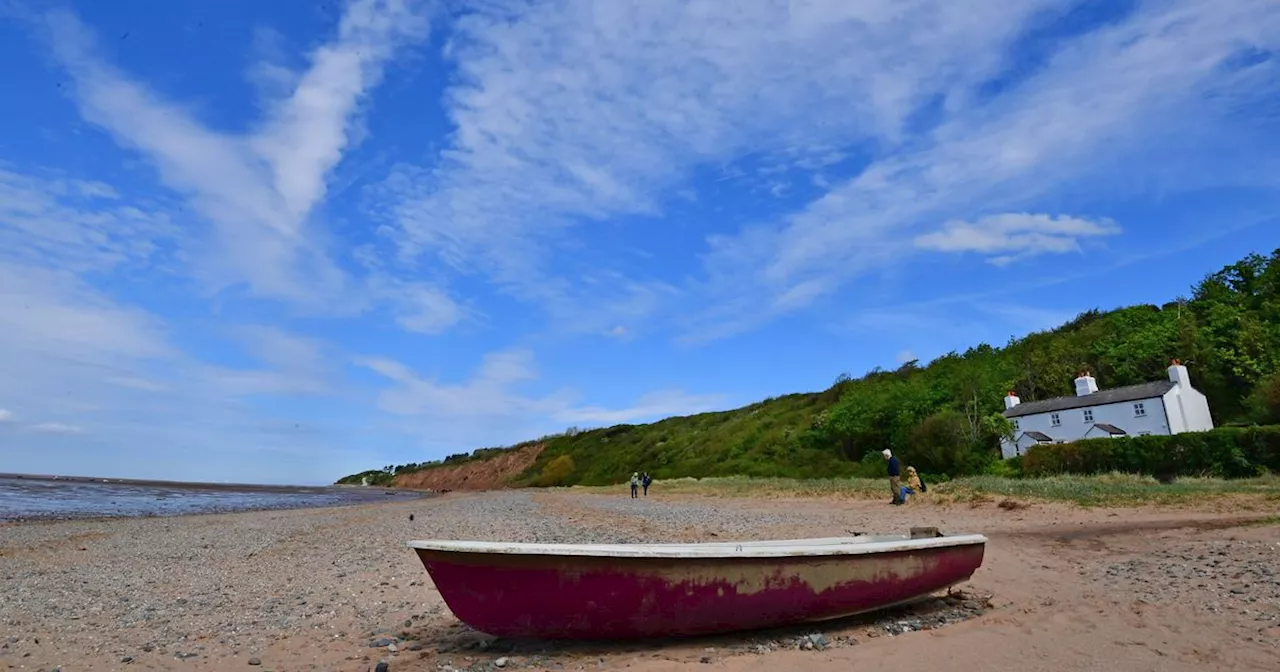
x=1061, y=588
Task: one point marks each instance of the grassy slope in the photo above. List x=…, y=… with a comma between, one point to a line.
x=758, y=440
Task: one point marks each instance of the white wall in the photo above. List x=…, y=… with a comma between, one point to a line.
x=1074, y=427
x=1008, y=450
x=1188, y=410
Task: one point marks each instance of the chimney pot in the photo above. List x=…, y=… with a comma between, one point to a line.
x=1011, y=400
x=1085, y=384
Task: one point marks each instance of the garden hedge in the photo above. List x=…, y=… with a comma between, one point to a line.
x=1225, y=452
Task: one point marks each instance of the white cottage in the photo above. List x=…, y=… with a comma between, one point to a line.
x=1160, y=407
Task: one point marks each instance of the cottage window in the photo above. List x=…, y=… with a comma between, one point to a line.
x=1015, y=425
x=1088, y=415
x=1055, y=419
x=1139, y=410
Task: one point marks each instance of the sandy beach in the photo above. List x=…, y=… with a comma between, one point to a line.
x=1062, y=588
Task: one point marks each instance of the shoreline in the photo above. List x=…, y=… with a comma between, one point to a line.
x=28, y=499
x=188, y=485
x=91, y=518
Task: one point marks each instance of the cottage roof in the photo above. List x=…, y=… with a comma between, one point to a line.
x=1038, y=436
x=1112, y=396
x=1110, y=429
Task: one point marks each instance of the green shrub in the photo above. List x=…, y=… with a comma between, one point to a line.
x=556, y=472
x=1010, y=468
x=1225, y=452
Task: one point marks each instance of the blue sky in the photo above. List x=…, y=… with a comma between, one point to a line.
x=281, y=242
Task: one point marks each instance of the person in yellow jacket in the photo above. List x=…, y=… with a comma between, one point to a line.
x=912, y=484
x=913, y=480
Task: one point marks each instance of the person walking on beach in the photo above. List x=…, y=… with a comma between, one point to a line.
x=895, y=474
x=645, y=480
x=635, y=483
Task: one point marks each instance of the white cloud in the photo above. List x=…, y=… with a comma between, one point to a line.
x=418, y=307
x=77, y=225
x=1015, y=235
x=260, y=189
x=1113, y=93
x=56, y=428
x=651, y=406
x=7, y=416
x=489, y=409
x=140, y=403
x=487, y=393
x=575, y=110
x=905, y=356
x=569, y=112
x=56, y=314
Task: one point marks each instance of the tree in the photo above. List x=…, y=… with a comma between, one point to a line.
x=1264, y=403
x=939, y=445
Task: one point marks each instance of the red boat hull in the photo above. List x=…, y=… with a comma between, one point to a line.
x=557, y=597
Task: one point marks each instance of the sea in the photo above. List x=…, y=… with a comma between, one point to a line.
x=24, y=497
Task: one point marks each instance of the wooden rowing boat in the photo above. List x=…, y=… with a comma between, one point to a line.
x=626, y=591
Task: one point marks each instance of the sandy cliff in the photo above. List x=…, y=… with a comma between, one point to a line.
x=487, y=474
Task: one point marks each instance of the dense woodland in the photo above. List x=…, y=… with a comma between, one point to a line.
x=944, y=418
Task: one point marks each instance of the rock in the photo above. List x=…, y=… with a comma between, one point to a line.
x=382, y=667
x=382, y=643
x=255, y=661
x=126, y=660
x=501, y=662
x=819, y=640
x=705, y=660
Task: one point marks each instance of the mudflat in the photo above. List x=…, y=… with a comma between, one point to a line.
x=1062, y=587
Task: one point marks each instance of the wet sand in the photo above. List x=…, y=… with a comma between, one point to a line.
x=1062, y=588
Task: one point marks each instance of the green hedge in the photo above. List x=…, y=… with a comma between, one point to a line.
x=1225, y=452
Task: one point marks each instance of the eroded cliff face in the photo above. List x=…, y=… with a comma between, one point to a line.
x=489, y=474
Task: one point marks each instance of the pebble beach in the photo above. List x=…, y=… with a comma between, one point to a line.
x=1061, y=588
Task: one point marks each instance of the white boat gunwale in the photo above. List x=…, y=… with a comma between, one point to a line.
x=785, y=548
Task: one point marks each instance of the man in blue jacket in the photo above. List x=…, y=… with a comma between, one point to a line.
x=895, y=474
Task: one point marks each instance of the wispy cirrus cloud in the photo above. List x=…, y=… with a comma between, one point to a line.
x=568, y=113
x=105, y=386
x=79, y=225
x=1129, y=87
x=1008, y=237
x=490, y=402
x=260, y=189
x=573, y=111
x=56, y=428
